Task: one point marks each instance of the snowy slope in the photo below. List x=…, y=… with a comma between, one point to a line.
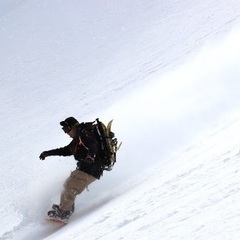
x=166, y=72
x=194, y=196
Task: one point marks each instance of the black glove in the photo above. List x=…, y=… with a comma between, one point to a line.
x=43, y=155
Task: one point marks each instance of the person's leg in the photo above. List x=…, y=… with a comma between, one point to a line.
x=73, y=186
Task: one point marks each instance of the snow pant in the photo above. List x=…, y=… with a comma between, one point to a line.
x=73, y=186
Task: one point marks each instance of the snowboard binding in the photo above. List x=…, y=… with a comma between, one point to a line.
x=59, y=215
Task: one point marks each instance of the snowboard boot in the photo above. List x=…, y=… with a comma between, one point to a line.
x=58, y=214
x=56, y=207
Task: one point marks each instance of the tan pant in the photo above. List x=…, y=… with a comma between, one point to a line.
x=73, y=186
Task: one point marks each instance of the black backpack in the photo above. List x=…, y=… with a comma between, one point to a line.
x=107, y=141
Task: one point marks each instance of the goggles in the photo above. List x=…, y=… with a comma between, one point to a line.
x=65, y=127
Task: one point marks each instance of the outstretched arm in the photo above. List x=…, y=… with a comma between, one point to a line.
x=65, y=151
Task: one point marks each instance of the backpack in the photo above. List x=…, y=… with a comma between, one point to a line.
x=107, y=141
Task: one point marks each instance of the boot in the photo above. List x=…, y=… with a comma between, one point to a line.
x=56, y=207
x=58, y=214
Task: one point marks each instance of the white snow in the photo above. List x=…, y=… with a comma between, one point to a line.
x=167, y=72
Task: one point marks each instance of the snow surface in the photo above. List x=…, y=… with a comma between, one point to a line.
x=167, y=72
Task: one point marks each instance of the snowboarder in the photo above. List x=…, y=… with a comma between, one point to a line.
x=85, y=149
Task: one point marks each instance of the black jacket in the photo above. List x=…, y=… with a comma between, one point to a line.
x=84, y=144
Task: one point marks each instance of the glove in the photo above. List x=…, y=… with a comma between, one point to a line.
x=43, y=155
x=89, y=159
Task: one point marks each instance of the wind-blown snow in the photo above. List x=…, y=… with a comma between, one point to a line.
x=166, y=72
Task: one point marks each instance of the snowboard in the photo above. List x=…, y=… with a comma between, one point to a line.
x=57, y=220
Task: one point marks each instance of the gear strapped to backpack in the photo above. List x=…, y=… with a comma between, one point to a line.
x=107, y=141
